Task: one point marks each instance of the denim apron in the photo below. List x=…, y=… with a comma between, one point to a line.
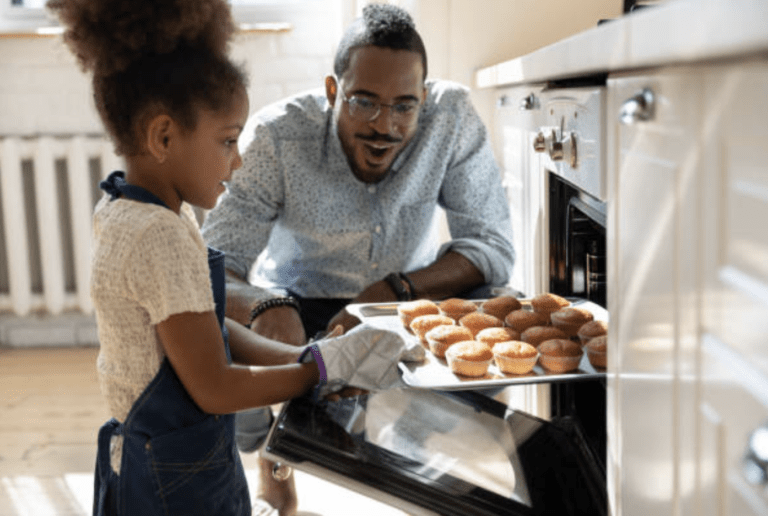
x=176, y=458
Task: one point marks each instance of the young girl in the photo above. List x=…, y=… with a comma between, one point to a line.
x=172, y=368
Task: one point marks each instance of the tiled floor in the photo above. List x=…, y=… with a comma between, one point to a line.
x=50, y=412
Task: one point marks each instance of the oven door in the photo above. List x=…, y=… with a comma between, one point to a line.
x=446, y=453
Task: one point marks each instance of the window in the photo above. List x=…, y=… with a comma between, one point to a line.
x=22, y=15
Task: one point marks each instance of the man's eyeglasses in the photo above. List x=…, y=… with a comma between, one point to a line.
x=365, y=109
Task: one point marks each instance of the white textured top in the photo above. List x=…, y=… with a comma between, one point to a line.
x=148, y=264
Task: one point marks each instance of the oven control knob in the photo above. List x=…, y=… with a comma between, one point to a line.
x=556, y=149
x=529, y=103
x=755, y=463
x=540, y=143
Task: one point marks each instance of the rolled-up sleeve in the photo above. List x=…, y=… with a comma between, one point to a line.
x=241, y=222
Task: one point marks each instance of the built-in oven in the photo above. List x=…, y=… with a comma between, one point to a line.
x=455, y=452
x=570, y=143
x=550, y=137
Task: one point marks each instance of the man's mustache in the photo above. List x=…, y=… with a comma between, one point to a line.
x=379, y=138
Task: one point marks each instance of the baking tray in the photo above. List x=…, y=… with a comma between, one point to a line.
x=433, y=372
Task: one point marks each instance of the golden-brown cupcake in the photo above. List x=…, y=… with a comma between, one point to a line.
x=591, y=330
x=410, y=310
x=423, y=323
x=535, y=335
x=560, y=355
x=499, y=307
x=570, y=319
x=515, y=357
x=477, y=321
x=457, y=308
x=547, y=303
x=493, y=335
x=521, y=320
x=440, y=338
x=596, y=351
x=469, y=358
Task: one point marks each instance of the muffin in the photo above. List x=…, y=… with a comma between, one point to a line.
x=493, y=335
x=535, y=335
x=410, y=310
x=477, y=321
x=499, y=307
x=570, y=319
x=547, y=303
x=469, y=358
x=457, y=308
x=515, y=357
x=423, y=323
x=560, y=355
x=440, y=338
x=591, y=330
x=596, y=351
x=521, y=320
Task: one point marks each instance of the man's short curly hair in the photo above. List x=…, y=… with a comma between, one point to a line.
x=151, y=56
x=381, y=25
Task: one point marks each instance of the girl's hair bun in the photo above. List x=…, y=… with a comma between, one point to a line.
x=107, y=36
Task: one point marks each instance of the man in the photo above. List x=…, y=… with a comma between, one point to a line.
x=336, y=200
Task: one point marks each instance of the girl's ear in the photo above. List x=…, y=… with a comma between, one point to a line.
x=158, y=136
x=330, y=89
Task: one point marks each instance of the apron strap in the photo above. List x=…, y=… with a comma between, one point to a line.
x=104, y=473
x=116, y=186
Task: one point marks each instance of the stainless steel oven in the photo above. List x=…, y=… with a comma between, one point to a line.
x=570, y=145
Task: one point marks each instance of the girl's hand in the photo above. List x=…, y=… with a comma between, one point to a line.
x=366, y=358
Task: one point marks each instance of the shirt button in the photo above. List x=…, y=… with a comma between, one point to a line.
x=374, y=265
x=371, y=189
x=378, y=229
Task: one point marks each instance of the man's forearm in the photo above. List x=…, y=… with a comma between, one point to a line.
x=449, y=276
x=242, y=297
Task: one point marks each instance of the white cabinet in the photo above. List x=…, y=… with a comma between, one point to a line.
x=518, y=117
x=688, y=291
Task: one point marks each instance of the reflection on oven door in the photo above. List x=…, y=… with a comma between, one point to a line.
x=442, y=452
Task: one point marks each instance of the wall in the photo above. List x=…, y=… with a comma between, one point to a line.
x=42, y=90
x=463, y=36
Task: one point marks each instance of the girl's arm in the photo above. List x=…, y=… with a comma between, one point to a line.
x=193, y=344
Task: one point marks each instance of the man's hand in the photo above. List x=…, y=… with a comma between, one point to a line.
x=344, y=319
x=282, y=324
x=378, y=292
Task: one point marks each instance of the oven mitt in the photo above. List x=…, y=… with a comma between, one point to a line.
x=365, y=357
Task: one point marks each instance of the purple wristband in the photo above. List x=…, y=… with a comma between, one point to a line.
x=318, y=360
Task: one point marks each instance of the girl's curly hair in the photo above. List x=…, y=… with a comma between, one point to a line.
x=148, y=55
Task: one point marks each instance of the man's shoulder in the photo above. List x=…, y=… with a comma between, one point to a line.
x=443, y=92
x=299, y=115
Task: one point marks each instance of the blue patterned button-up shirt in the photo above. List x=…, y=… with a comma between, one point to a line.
x=295, y=216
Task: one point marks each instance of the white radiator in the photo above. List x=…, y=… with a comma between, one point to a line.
x=48, y=188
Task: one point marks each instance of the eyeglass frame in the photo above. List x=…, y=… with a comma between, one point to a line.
x=353, y=103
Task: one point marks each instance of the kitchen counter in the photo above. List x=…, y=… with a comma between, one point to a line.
x=678, y=31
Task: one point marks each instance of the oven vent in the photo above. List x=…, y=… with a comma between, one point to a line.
x=48, y=188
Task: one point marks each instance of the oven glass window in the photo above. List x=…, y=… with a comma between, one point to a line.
x=452, y=452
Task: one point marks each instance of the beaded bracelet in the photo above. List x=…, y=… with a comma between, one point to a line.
x=272, y=303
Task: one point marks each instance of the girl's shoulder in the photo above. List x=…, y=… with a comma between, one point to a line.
x=134, y=224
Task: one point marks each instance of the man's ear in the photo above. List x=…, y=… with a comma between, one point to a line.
x=158, y=136
x=331, y=88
